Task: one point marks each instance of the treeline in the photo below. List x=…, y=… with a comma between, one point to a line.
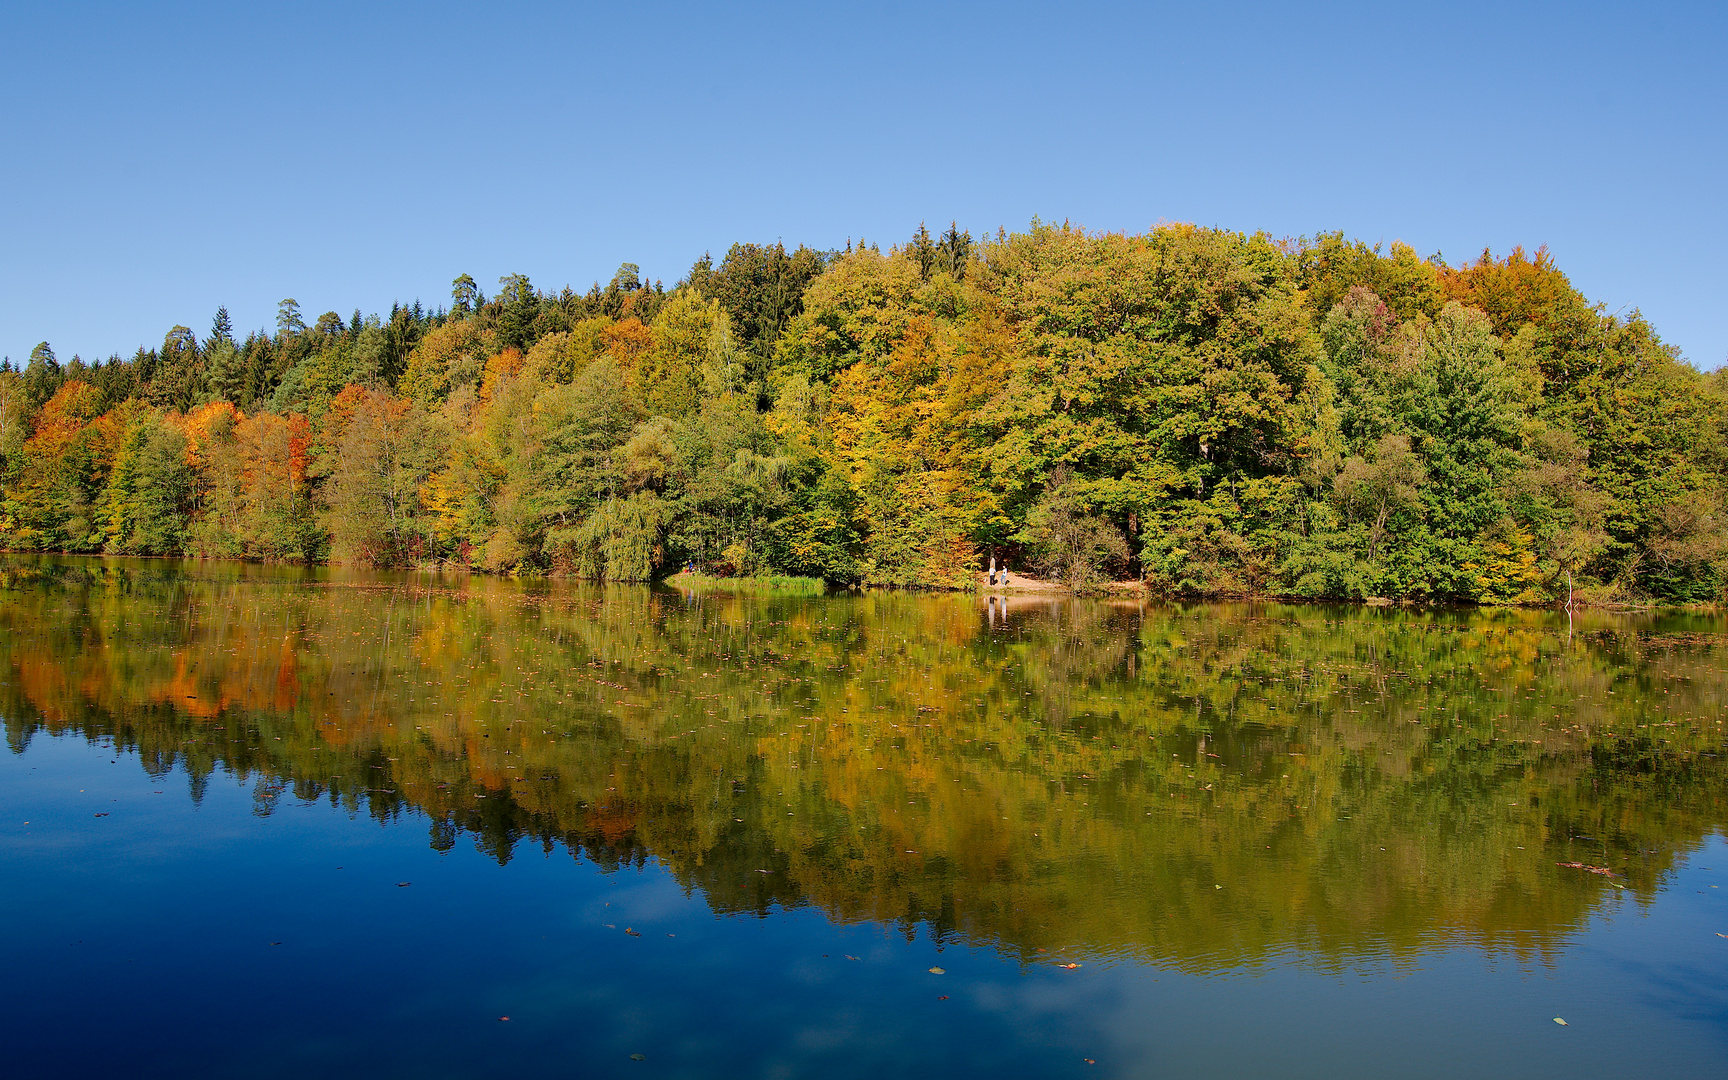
x=1206, y=411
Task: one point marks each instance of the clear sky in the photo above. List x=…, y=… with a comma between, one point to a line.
x=161, y=159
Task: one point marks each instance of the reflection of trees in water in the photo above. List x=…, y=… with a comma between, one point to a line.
x=1054, y=775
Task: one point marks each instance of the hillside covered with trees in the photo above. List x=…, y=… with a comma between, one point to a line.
x=1211, y=412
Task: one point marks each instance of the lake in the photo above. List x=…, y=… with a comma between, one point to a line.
x=274, y=822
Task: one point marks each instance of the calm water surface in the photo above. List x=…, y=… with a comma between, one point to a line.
x=274, y=823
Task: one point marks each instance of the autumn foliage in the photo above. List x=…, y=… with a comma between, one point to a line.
x=1198, y=410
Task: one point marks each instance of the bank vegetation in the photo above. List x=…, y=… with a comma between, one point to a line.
x=1203, y=411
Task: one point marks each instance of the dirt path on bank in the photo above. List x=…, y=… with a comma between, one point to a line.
x=1008, y=581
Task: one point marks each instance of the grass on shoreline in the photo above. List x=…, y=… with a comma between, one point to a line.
x=773, y=584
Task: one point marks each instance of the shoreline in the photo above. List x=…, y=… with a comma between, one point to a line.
x=1017, y=585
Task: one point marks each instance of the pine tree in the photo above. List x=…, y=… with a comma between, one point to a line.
x=42, y=375
x=923, y=252
x=288, y=321
x=464, y=297
x=953, y=250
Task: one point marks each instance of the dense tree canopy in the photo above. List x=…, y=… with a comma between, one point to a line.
x=1206, y=411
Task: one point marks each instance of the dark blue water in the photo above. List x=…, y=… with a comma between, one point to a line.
x=167, y=939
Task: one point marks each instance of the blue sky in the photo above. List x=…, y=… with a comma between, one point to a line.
x=162, y=159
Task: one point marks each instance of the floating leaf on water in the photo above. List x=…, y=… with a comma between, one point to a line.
x=1561, y=1022
x=938, y=971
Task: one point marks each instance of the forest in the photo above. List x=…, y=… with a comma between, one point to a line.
x=1198, y=411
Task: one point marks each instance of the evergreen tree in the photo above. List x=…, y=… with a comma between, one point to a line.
x=953, y=250
x=42, y=376
x=178, y=381
x=922, y=251
x=465, y=297
x=518, y=305
x=288, y=321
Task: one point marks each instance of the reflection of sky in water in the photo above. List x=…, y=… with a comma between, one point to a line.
x=143, y=943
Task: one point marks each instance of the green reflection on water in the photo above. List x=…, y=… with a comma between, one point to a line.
x=1201, y=787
